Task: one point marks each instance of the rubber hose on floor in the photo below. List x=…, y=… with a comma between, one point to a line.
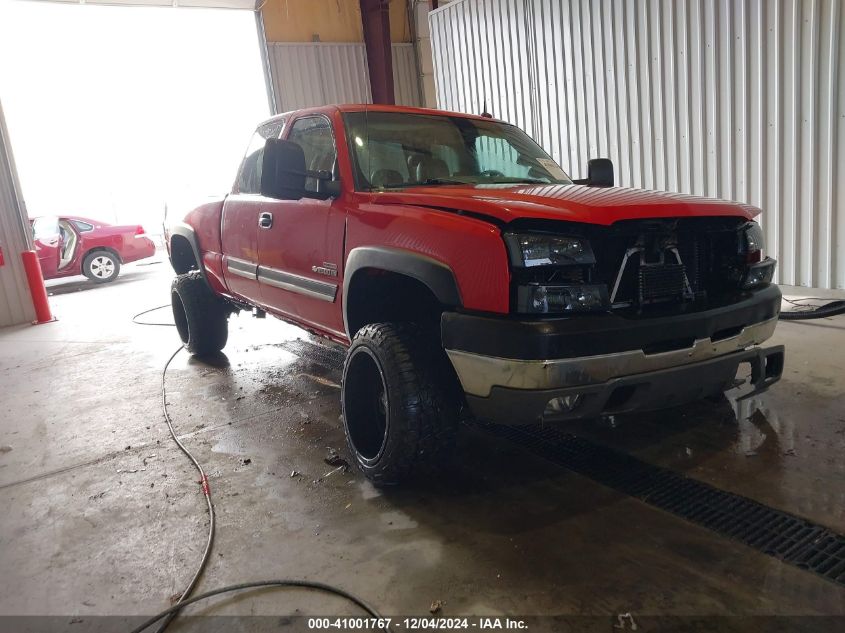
x=261, y=584
x=137, y=322
x=184, y=600
x=828, y=310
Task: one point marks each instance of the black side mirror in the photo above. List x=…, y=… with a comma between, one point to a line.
x=326, y=186
x=599, y=173
x=283, y=170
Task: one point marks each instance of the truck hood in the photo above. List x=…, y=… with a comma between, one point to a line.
x=572, y=203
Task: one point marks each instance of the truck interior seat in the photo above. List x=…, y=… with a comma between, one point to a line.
x=386, y=177
x=430, y=168
x=414, y=161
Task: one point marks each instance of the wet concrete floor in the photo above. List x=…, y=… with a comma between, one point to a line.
x=103, y=516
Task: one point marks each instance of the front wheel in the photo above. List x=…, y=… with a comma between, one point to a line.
x=400, y=403
x=201, y=317
x=101, y=267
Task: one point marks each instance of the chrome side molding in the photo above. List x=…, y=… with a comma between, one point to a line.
x=297, y=283
x=241, y=267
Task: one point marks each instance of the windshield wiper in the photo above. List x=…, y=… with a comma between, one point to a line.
x=517, y=181
x=445, y=181
x=427, y=181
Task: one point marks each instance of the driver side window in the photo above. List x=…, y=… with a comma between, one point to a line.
x=249, y=178
x=314, y=135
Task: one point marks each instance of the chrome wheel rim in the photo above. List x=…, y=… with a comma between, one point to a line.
x=102, y=267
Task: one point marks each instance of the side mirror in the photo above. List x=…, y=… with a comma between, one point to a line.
x=599, y=173
x=283, y=170
x=326, y=186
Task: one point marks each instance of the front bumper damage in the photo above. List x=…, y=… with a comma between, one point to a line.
x=519, y=372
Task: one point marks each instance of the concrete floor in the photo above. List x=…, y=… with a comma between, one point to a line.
x=103, y=515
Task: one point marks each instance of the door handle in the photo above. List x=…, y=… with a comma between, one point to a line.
x=265, y=220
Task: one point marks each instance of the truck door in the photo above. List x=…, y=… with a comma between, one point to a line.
x=300, y=242
x=239, y=232
x=48, y=244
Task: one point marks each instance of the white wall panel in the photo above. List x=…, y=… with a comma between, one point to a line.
x=15, y=302
x=736, y=99
x=319, y=73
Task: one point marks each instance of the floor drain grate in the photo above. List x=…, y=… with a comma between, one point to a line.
x=774, y=532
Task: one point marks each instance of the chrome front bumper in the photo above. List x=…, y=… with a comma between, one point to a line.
x=480, y=374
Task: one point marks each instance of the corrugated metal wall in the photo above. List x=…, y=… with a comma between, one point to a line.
x=15, y=302
x=736, y=99
x=320, y=73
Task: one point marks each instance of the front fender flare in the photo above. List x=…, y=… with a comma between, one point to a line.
x=436, y=275
x=184, y=230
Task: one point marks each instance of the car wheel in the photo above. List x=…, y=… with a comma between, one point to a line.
x=101, y=266
x=400, y=403
x=201, y=317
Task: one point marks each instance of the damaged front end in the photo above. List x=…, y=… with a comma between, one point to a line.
x=639, y=315
x=635, y=267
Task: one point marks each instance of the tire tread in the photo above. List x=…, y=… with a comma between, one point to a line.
x=206, y=314
x=419, y=374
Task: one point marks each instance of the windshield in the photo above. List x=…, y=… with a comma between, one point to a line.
x=392, y=150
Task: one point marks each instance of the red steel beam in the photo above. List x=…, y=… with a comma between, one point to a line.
x=375, y=18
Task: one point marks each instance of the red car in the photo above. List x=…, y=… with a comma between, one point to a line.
x=466, y=272
x=70, y=245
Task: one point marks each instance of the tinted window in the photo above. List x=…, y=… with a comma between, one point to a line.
x=83, y=227
x=249, y=179
x=314, y=135
x=391, y=149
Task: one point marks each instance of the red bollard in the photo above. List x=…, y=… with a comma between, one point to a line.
x=36, y=287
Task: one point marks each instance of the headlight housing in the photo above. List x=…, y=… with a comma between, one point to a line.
x=760, y=270
x=545, y=299
x=759, y=274
x=552, y=274
x=543, y=249
x=752, y=242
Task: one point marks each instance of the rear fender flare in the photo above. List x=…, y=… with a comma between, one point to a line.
x=435, y=275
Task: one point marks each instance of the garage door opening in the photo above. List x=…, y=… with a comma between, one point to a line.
x=116, y=112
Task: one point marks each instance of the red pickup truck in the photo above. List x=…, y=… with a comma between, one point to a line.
x=466, y=272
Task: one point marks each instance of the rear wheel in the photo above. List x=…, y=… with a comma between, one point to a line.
x=400, y=403
x=201, y=316
x=101, y=266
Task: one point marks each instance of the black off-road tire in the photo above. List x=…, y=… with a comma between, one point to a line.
x=101, y=266
x=401, y=403
x=201, y=317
